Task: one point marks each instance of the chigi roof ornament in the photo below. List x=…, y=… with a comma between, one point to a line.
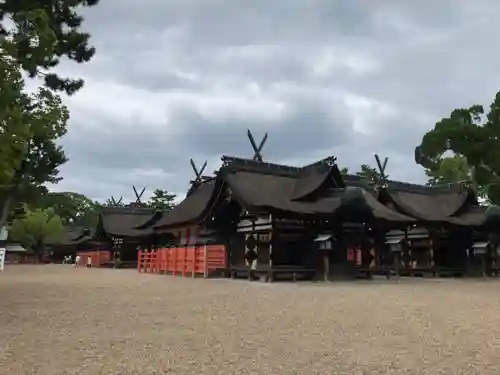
x=382, y=179
x=198, y=173
x=114, y=202
x=138, y=195
x=257, y=156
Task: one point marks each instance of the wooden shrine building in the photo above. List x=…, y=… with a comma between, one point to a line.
x=121, y=230
x=74, y=239
x=276, y=212
x=279, y=218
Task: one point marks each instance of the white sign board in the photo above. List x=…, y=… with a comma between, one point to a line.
x=2, y=258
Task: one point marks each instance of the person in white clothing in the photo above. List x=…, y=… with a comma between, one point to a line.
x=89, y=262
x=77, y=261
x=2, y=259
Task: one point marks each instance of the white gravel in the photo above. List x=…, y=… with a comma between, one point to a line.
x=58, y=320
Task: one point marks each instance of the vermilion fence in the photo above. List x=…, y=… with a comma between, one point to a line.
x=98, y=257
x=185, y=261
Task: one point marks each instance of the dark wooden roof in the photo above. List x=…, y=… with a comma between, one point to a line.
x=193, y=208
x=313, y=177
x=265, y=191
x=320, y=190
x=266, y=186
x=73, y=235
x=426, y=203
x=435, y=206
x=127, y=221
x=355, y=180
x=270, y=192
x=473, y=215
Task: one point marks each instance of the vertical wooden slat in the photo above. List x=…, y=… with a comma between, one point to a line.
x=205, y=262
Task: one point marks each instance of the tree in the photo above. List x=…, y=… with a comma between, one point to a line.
x=162, y=200
x=368, y=173
x=37, y=228
x=12, y=133
x=30, y=125
x=473, y=135
x=344, y=171
x=38, y=33
x=450, y=170
x=72, y=208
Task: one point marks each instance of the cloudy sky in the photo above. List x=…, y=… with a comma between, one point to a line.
x=180, y=79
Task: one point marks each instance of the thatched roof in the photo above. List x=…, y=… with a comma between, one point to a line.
x=311, y=191
x=473, y=215
x=73, y=235
x=425, y=203
x=319, y=190
x=192, y=209
x=127, y=221
x=429, y=206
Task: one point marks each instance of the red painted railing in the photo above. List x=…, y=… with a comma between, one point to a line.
x=185, y=261
x=98, y=257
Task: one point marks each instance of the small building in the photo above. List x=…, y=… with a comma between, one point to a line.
x=16, y=254
x=122, y=230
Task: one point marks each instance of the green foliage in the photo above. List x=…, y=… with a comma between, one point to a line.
x=30, y=125
x=38, y=33
x=455, y=170
x=472, y=134
x=72, y=208
x=13, y=135
x=450, y=170
x=34, y=35
x=37, y=228
x=162, y=200
x=368, y=173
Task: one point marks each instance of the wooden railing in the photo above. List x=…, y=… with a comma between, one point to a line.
x=186, y=261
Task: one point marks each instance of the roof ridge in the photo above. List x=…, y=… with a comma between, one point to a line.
x=237, y=162
x=128, y=210
x=406, y=186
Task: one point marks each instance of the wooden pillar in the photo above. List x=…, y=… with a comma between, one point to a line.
x=406, y=254
x=270, y=276
x=271, y=237
x=326, y=264
x=250, y=247
x=483, y=265
x=397, y=262
x=431, y=253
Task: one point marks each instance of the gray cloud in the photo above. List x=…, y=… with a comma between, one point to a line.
x=179, y=79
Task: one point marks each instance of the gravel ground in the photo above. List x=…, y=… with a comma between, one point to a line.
x=55, y=319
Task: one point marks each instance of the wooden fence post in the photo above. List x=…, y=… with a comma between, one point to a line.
x=168, y=266
x=183, y=264
x=193, y=257
x=175, y=249
x=205, y=262
x=139, y=260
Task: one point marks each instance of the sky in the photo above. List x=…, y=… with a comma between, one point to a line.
x=178, y=79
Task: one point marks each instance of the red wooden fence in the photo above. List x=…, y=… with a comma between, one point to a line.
x=98, y=257
x=185, y=261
